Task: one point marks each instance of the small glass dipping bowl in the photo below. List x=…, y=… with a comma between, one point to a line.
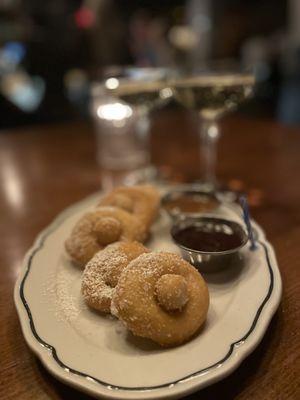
x=209, y=243
x=189, y=201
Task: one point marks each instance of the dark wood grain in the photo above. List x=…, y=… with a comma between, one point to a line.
x=44, y=169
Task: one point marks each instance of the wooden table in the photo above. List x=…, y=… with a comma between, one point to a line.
x=44, y=169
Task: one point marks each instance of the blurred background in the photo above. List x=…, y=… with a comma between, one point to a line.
x=51, y=51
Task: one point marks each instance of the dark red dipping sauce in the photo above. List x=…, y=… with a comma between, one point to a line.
x=200, y=239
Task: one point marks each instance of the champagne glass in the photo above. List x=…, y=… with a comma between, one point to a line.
x=142, y=89
x=213, y=94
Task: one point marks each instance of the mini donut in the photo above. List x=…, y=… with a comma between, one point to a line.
x=102, y=273
x=161, y=297
x=142, y=201
x=98, y=228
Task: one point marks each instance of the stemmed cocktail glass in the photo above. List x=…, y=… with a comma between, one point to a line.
x=122, y=104
x=213, y=94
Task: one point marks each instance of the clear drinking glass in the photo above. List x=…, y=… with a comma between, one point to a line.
x=121, y=106
x=213, y=93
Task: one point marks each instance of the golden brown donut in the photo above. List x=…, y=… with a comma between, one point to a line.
x=161, y=297
x=98, y=228
x=142, y=201
x=102, y=272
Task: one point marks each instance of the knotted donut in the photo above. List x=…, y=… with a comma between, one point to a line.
x=141, y=201
x=102, y=273
x=98, y=228
x=161, y=297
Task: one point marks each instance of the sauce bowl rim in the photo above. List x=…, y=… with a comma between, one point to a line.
x=244, y=237
x=189, y=190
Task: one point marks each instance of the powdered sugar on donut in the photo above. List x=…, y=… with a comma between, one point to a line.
x=98, y=228
x=102, y=272
x=97, y=271
x=166, y=320
x=141, y=200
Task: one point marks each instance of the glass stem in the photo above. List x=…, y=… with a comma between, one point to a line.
x=143, y=125
x=209, y=134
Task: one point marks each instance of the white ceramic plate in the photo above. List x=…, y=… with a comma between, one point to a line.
x=96, y=354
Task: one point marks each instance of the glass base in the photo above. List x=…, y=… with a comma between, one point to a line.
x=205, y=186
x=112, y=178
x=144, y=175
